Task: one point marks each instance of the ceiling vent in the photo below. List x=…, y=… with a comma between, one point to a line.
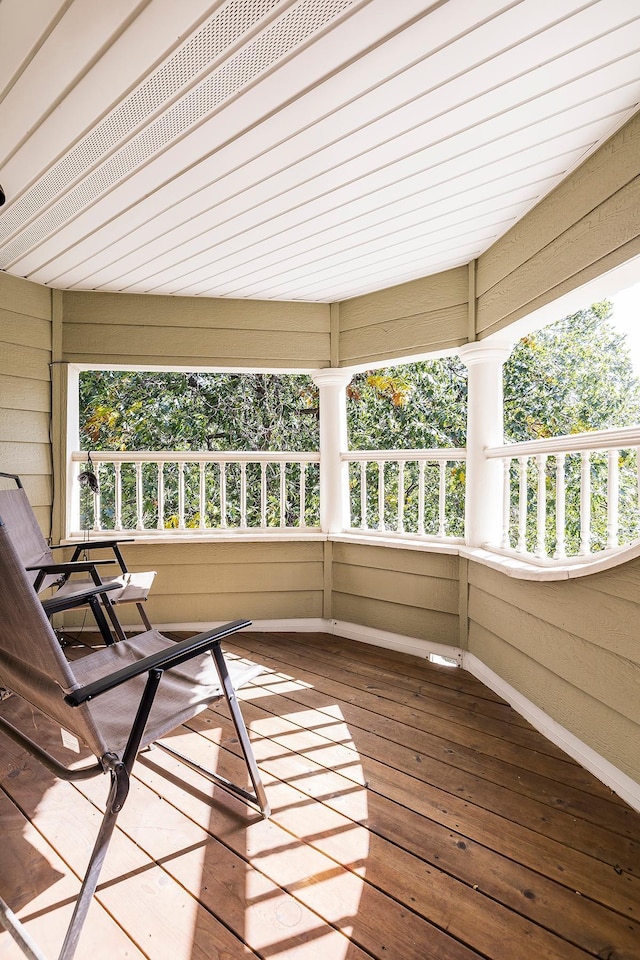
x=215, y=47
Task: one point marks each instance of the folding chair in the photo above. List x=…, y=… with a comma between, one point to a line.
x=116, y=700
x=44, y=571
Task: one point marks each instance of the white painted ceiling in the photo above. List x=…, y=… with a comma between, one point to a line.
x=292, y=149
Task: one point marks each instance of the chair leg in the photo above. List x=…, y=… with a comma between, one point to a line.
x=110, y=608
x=11, y=923
x=241, y=729
x=119, y=770
x=259, y=796
x=143, y=616
x=101, y=620
x=119, y=786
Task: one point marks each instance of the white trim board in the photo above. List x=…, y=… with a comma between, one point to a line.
x=340, y=628
x=621, y=784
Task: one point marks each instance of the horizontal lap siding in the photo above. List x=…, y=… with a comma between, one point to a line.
x=586, y=226
x=417, y=317
x=410, y=593
x=569, y=646
x=194, y=332
x=208, y=582
x=25, y=389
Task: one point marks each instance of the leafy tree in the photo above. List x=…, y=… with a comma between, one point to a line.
x=573, y=376
x=197, y=411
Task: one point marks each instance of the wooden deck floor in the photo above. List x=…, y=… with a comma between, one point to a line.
x=415, y=817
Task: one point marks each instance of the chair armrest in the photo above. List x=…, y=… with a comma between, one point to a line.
x=96, y=544
x=72, y=566
x=55, y=605
x=77, y=566
x=171, y=656
x=101, y=544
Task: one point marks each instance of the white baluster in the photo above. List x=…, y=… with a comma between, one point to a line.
x=561, y=543
x=585, y=504
x=202, y=496
x=613, y=485
x=380, y=495
x=118, y=495
x=161, y=520
x=243, y=495
x=421, y=469
x=522, y=504
x=400, y=514
x=283, y=495
x=364, y=504
x=303, y=494
x=263, y=494
x=139, y=498
x=223, y=494
x=181, y=523
x=442, y=497
x=541, y=514
x=506, y=502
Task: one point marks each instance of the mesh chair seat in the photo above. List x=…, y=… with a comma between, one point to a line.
x=186, y=690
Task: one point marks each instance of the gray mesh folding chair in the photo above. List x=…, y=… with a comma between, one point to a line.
x=116, y=700
x=71, y=578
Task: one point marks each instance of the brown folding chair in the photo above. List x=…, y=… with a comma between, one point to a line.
x=115, y=701
x=73, y=577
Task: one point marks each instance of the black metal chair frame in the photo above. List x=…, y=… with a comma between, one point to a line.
x=66, y=569
x=119, y=767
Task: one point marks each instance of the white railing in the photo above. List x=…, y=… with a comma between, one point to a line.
x=571, y=496
x=563, y=498
x=195, y=491
x=409, y=493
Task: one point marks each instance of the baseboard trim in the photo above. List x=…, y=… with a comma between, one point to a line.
x=621, y=784
x=395, y=641
x=340, y=628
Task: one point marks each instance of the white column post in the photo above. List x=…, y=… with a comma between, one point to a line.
x=485, y=428
x=334, y=488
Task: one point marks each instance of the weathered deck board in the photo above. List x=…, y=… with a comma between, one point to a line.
x=523, y=750
x=414, y=816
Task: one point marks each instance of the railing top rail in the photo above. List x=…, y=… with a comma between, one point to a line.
x=613, y=439
x=438, y=454
x=195, y=456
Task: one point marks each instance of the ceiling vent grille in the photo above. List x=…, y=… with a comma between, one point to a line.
x=279, y=39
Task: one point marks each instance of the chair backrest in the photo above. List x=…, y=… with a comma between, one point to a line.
x=30, y=544
x=32, y=663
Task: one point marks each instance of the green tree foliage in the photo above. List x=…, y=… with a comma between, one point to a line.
x=573, y=376
x=197, y=411
x=415, y=406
